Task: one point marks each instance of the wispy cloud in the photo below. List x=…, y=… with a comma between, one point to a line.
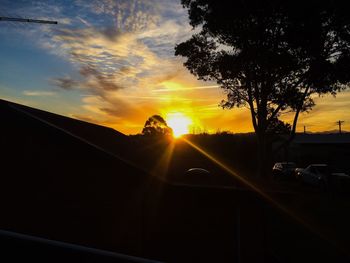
x=186, y=88
x=38, y=93
x=66, y=83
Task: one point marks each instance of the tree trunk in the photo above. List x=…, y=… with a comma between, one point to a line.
x=262, y=159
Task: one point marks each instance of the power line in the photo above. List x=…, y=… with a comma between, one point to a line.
x=26, y=20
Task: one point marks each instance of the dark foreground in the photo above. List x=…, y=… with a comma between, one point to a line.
x=60, y=182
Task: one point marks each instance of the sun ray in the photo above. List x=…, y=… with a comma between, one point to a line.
x=161, y=168
x=261, y=192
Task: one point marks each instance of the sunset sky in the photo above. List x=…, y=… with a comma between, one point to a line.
x=112, y=63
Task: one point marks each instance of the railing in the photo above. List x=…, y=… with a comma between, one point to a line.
x=15, y=247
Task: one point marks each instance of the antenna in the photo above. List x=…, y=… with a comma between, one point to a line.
x=339, y=124
x=26, y=20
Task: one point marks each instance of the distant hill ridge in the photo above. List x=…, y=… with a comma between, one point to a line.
x=335, y=131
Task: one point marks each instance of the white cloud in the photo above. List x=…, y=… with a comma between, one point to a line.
x=38, y=93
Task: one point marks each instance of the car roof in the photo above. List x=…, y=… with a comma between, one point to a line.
x=197, y=169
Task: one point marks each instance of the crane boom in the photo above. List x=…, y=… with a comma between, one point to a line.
x=27, y=20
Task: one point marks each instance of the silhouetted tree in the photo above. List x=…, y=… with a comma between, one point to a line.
x=270, y=56
x=277, y=126
x=156, y=125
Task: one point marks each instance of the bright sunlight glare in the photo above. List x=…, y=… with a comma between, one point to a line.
x=179, y=123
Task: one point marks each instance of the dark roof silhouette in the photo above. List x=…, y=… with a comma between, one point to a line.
x=104, y=137
x=68, y=180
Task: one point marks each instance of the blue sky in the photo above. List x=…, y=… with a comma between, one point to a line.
x=112, y=63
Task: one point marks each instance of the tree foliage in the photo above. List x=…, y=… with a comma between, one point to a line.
x=277, y=126
x=269, y=56
x=156, y=125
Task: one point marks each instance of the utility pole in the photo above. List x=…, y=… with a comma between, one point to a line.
x=339, y=124
x=26, y=20
x=304, y=129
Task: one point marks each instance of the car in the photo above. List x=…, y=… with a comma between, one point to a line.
x=283, y=170
x=198, y=176
x=341, y=182
x=297, y=173
x=197, y=172
x=315, y=174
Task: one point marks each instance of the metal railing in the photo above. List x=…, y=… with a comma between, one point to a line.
x=15, y=246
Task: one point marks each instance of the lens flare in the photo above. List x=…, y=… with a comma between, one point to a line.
x=261, y=192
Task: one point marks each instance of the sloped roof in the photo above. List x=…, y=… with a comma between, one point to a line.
x=40, y=143
x=105, y=137
x=58, y=180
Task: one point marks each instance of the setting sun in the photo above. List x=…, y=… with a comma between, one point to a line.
x=179, y=123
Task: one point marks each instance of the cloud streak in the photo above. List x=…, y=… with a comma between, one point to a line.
x=186, y=89
x=38, y=93
x=65, y=83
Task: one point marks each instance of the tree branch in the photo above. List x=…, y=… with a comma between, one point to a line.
x=251, y=106
x=295, y=121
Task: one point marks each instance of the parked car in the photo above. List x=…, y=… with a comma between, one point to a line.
x=297, y=173
x=341, y=182
x=315, y=174
x=197, y=172
x=283, y=170
x=198, y=176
